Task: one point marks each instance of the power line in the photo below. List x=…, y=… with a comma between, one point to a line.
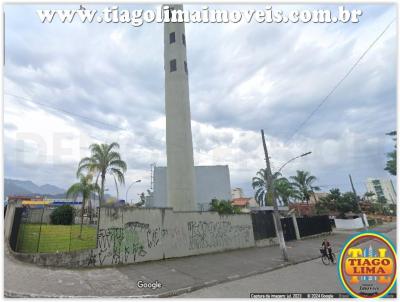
x=341, y=81
x=18, y=97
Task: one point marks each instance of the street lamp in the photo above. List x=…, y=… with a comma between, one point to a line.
x=290, y=160
x=139, y=180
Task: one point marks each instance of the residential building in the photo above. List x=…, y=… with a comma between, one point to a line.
x=316, y=197
x=20, y=198
x=210, y=182
x=245, y=203
x=382, y=188
x=303, y=209
x=253, y=203
x=237, y=193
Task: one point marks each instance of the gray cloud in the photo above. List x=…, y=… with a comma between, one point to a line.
x=242, y=78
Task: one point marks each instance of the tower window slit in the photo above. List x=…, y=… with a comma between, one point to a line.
x=172, y=38
x=172, y=65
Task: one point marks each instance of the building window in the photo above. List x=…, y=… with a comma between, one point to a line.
x=172, y=38
x=185, y=64
x=183, y=39
x=172, y=65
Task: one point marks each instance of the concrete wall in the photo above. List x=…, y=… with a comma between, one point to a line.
x=8, y=220
x=35, y=215
x=211, y=182
x=350, y=224
x=139, y=234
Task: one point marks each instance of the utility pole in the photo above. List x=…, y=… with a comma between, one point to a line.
x=152, y=166
x=358, y=202
x=271, y=190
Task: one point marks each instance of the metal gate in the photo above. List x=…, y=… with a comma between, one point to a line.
x=288, y=229
x=15, y=228
x=313, y=225
x=263, y=225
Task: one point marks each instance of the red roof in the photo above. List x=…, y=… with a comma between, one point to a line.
x=303, y=208
x=21, y=197
x=241, y=202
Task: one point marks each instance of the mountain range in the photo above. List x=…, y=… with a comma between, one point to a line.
x=29, y=188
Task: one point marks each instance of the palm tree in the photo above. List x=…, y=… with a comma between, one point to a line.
x=104, y=160
x=259, y=183
x=224, y=207
x=303, y=185
x=284, y=190
x=84, y=187
x=368, y=195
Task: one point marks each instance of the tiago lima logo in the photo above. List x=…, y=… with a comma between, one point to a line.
x=367, y=265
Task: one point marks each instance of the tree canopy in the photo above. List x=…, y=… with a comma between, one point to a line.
x=391, y=162
x=104, y=160
x=339, y=202
x=303, y=184
x=301, y=187
x=224, y=207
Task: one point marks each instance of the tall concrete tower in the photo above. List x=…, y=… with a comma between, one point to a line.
x=180, y=165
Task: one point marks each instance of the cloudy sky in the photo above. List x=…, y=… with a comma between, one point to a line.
x=69, y=85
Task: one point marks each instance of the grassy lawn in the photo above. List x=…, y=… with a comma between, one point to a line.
x=53, y=238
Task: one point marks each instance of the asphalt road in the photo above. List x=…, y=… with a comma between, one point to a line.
x=307, y=277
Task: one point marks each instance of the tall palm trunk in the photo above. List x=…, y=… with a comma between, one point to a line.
x=82, y=209
x=103, y=178
x=116, y=187
x=98, y=193
x=90, y=209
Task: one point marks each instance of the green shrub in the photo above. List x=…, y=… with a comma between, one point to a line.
x=63, y=215
x=224, y=207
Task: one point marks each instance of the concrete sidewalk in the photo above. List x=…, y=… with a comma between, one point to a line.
x=176, y=276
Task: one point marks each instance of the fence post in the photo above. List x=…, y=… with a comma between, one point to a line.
x=98, y=225
x=16, y=223
x=21, y=234
x=70, y=234
x=296, y=227
x=40, y=230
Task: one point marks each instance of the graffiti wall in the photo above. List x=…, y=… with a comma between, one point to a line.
x=137, y=235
